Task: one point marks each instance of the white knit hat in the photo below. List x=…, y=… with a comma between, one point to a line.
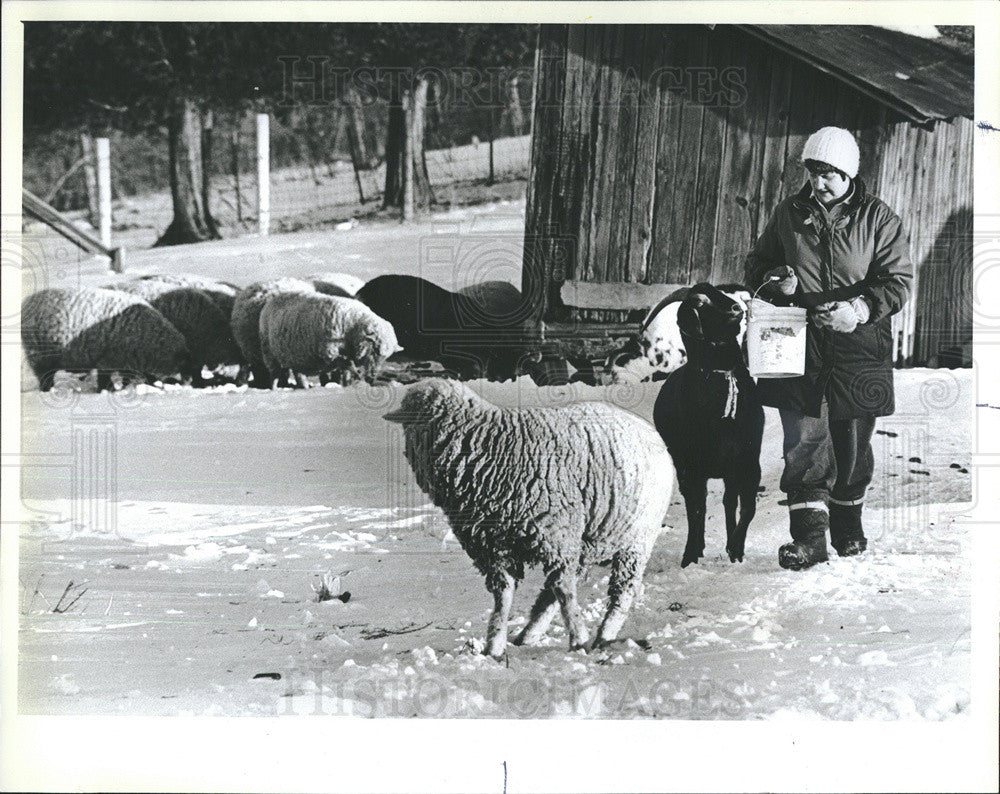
x=836, y=146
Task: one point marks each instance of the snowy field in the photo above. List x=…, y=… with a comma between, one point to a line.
x=184, y=582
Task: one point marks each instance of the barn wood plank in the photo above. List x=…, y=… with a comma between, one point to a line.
x=604, y=210
x=686, y=202
x=776, y=133
x=640, y=224
x=741, y=169
x=800, y=115
x=617, y=267
x=662, y=266
x=589, y=99
x=617, y=296
x=574, y=150
x=539, y=249
x=717, y=54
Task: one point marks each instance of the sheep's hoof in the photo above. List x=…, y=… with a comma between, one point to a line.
x=689, y=557
x=735, y=556
x=499, y=656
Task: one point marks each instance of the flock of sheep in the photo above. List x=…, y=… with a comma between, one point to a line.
x=156, y=327
x=562, y=488
x=331, y=325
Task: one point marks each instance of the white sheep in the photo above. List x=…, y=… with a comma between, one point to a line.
x=245, y=321
x=107, y=330
x=308, y=333
x=343, y=285
x=558, y=487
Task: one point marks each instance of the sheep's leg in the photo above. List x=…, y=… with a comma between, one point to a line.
x=564, y=586
x=626, y=581
x=301, y=380
x=501, y=585
x=695, y=491
x=542, y=613
x=748, y=509
x=261, y=376
x=730, y=499
x=324, y=377
x=46, y=380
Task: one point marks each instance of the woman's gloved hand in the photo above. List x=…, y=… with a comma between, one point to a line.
x=785, y=281
x=840, y=316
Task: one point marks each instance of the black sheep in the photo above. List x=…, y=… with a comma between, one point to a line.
x=711, y=420
x=452, y=328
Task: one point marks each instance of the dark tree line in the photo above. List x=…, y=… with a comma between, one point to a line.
x=174, y=75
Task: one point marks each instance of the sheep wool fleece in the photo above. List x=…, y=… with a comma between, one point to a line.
x=245, y=318
x=556, y=487
x=308, y=332
x=81, y=329
x=222, y=293
x=195, y=315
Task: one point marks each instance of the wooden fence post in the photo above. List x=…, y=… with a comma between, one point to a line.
x=235, y=165
x=353, y=145
x=103, y=149
x=90, y=171
x=263, y=176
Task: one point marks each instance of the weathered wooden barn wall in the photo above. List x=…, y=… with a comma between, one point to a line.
x=659, y=153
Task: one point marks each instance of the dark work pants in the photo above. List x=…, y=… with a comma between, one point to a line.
x=826, y=460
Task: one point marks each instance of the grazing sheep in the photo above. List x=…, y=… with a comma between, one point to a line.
x=343, y=285
x=193, y=313
x=711, y=419
x=451, y=328
x=500, y=301
x=107, y=330
x=221, y=292
x=309, y=333
x=245, y=322
x=558, y=487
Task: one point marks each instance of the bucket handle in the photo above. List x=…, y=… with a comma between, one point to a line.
x=753, y=297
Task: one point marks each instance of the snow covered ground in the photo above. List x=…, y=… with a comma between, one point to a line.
x=172, y=543
x=196, y=572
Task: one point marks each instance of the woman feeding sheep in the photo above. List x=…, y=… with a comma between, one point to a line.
x=840, y=252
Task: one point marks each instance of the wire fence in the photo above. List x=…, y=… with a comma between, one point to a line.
x=327, y=163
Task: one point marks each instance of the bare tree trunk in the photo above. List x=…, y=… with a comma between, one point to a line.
x=192, y=221
x=235, y=166
x=207, y=123
x=404, y=148
x=513, y=116
x=356, y=119
x=419, y=159
x=395, y=144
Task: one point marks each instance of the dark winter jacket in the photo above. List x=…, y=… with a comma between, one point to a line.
x=859, y=248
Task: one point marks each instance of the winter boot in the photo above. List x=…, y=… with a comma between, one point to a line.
x=846, y=534
x=808, y=528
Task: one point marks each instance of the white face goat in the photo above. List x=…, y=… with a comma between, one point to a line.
x=660, y=337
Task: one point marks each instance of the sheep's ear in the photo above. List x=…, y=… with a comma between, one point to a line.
x=688, y=320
